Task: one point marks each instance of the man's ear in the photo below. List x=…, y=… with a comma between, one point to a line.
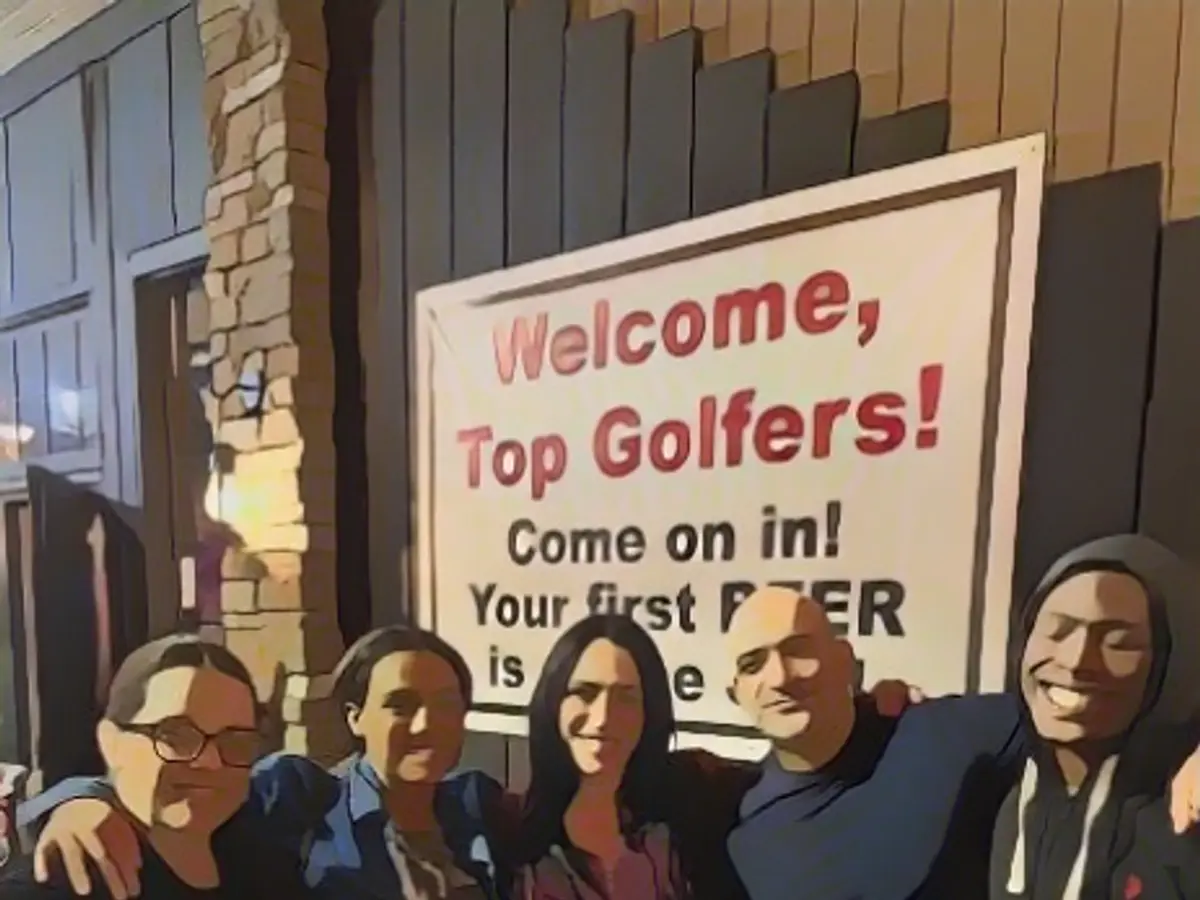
x=107, y=735
x=352, y=715
x=729, y=692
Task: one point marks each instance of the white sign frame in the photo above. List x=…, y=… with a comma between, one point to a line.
x=1014, y=167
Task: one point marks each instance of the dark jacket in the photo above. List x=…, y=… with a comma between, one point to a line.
x=1112, y=838
x=336, y=830
x=250, y=870
x=904, y=811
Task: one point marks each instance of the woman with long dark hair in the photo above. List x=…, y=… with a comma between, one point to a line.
x=600, y=728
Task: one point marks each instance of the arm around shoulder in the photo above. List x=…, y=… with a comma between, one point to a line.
x=291, y=792
x=34, y=810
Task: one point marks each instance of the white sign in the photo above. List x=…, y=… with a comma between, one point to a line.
x=825, y=389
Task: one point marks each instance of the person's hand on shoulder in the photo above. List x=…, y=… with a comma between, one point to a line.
x=91, y=831
x=892, y=697
x=1185, y=795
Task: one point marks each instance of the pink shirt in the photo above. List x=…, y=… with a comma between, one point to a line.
x=648, y=870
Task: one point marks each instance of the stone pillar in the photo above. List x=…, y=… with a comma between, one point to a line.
x=268, y=288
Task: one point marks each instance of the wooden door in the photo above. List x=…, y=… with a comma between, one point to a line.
x=89, y=594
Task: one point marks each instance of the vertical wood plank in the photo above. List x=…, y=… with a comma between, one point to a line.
x=833, y=30
x=480, y=92
x=810, y=133
x=1087, y=67
x=748, y=26
x=1147, y=66
x=140, y=129
x=535, y=117
x=921, y=132
x=189, y=132
x=1170, y=498
x=976, y=50
x=1030, y=68
x=673, y=16
x=1185, y=148
x=877, y=55
x=925, y=52
x=598, y=8
x=661, y=103
x=731, y=121
x=1089, y=366
x=594, y=129
x=386, y=349
x=429, y=144
x=31, y=391
x=791, y=41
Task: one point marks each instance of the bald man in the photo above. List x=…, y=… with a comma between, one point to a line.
x=851, y=805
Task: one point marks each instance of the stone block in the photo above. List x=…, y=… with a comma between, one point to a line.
x=308, y=172
x=283, y=362
x=275, y=461
x=305, y=27
x=231, y=407
x=278, y=429
x=239, y=434
x=241, y=135
x=273, y=171
x=207, y=10
x=260, y=200
x=235, y=214
x=255, y=647
x=264, y=24
x=279, y=394
x=257, y=82
x=223, y=42
x=238, y=564
x=223, y=252
x=262, y=289
x=281, y=595
x=224, y=376
x=239, y=596
x=282, y=565
x=303, y=641
x=255, y=242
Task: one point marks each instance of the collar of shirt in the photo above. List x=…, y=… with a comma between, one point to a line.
x=462, y=826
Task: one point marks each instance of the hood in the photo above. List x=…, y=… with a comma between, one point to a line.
x=1171, y=699
x=1173, y=586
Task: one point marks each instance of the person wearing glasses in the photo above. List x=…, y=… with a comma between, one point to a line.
x=179, y=736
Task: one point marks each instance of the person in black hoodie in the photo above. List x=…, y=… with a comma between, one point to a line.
x=179, y=735
x=1109, y=676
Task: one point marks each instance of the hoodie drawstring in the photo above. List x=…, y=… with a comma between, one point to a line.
x=1098, y=796
x=1016, y=874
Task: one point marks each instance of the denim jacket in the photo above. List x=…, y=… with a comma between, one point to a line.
x=336, y=825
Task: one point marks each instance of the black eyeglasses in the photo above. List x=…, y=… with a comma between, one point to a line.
x=178, y=740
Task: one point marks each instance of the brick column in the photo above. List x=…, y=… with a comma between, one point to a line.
x=268, y=288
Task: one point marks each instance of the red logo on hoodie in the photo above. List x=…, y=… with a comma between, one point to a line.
x=1133, y=887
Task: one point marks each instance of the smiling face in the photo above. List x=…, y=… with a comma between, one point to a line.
x=198, y=712
x=412, y=720
x=792, y=674
x=602, y=715
x=1087, y=659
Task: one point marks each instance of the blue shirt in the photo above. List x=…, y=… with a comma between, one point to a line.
x=905, y=811
x=336, y=825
